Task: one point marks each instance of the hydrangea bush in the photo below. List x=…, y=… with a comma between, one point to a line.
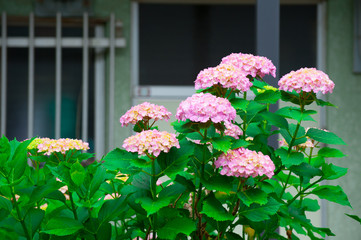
x=217, y=177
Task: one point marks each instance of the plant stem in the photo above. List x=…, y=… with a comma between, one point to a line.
x=154, y=194
x=73, y=205
x=285, y=186
x=303, y=191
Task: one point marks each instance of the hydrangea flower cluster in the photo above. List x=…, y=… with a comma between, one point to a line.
x=145, y=111
x=232, y=130
x=307, y=80
x=203, y=107
x=250, y=64
x=242, y=162
x=151, y=141
x=48, y=146
x=224, y=74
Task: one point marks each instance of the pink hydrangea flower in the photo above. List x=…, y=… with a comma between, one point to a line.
x=48, y=146
x=232, y=130
x=243, y=162
x=224, y=74
x=203, y=107
x=307, y=80
x=250, y=64
x=144, y=111
x=151, y=141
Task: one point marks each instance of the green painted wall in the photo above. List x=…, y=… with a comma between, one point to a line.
x=345, y=120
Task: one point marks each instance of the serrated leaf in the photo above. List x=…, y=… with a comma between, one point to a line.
x=290, y=159
x=176, y=226
x=118, y=160
x=332, y=193
x=218, y=183
x=152, y=206
x=310, y=205
x=77, y=173
x=237, y=143
x=5, y=150
x=62, y=226
x=322, y=103
x=330, y=152
x=222, y=143
x=331, y=172
x=300, y=137
x=111, y=208
x=269, y=96
x=239, y=103
x=258, y=212
x=324, y=136
x=33, y=219
x=306, y=170
x=5, y=204
x=275, y=119
x=253, y=196
x=214, y=209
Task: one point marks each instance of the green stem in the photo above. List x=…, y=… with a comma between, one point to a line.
x=303, y=191
x=154, y=195
x=285, y=186
x=73, y=209
x=27, y=235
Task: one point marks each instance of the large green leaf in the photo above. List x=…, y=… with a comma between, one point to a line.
x=331, y=172
x=97, y=179
x=275, y=119
x=290, y=159
x=214, y=209
x=237, y=143
x=332, y=193
x=219, y=183
x=257, y=212
x=77, y=173
x=5, y=150
x=118, y=160
x=354, y=217
x=328, y=152
x=300, y=136
x=253, y=195
x=33, y=219
x=19, y=160
x=324, y=136
x=306, y=170
x=176, y=226
x=111, y=209
x=239, y=103
x=62, y=226
x=222, y=143
x=5, y=204
x=268, y=96
x=153, y=206
x=42, y=191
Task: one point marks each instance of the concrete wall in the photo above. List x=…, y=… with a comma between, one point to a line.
x=345, y=121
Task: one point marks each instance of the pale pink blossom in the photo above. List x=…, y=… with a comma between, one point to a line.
x=307, y=80
x=232, y=130
x=144, y=111
x=204, y=107
x=242, y=162
x=48, y=146
x=250, y=64
x=225, y=75
x=151, y=141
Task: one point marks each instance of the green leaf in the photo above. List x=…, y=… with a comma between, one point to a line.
x=218, y=183
x=222, y=143
x=330, y=152
x=310, y=204
x=306, y=170
x=332, y=193
x=5, y=150
x=239, y=103
x=5, y=204
x=19, y=161
x=300, y=137
x=269, y=96
x=153, y=206
x=39, y=192
x=111, y=209
x=354, y=217
x=258, y=212
x=331, y=172
x=290, y=159
x=233, y=236
x=62, y=226
x=185, y=126
x=118, y=160
x=97, y=179
x=214, y=209
x=322, y=103
x=253, y=195
x=324, y=136
x=33, y=219
x=237, y=143
x=275, y=119
x=295, y=113
x=77, y=173
x=176, y=226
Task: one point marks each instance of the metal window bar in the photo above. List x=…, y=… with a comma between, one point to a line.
x=99, y=42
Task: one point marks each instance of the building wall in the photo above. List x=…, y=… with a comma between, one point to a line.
x=345, y=120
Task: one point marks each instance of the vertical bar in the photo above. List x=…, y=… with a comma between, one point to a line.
x=58, y=76
x=268, y=41
x=85, y=77
x=31, y=78
x=99, y=97
x=134, y=48
x=3, y=73
x=111, y=80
